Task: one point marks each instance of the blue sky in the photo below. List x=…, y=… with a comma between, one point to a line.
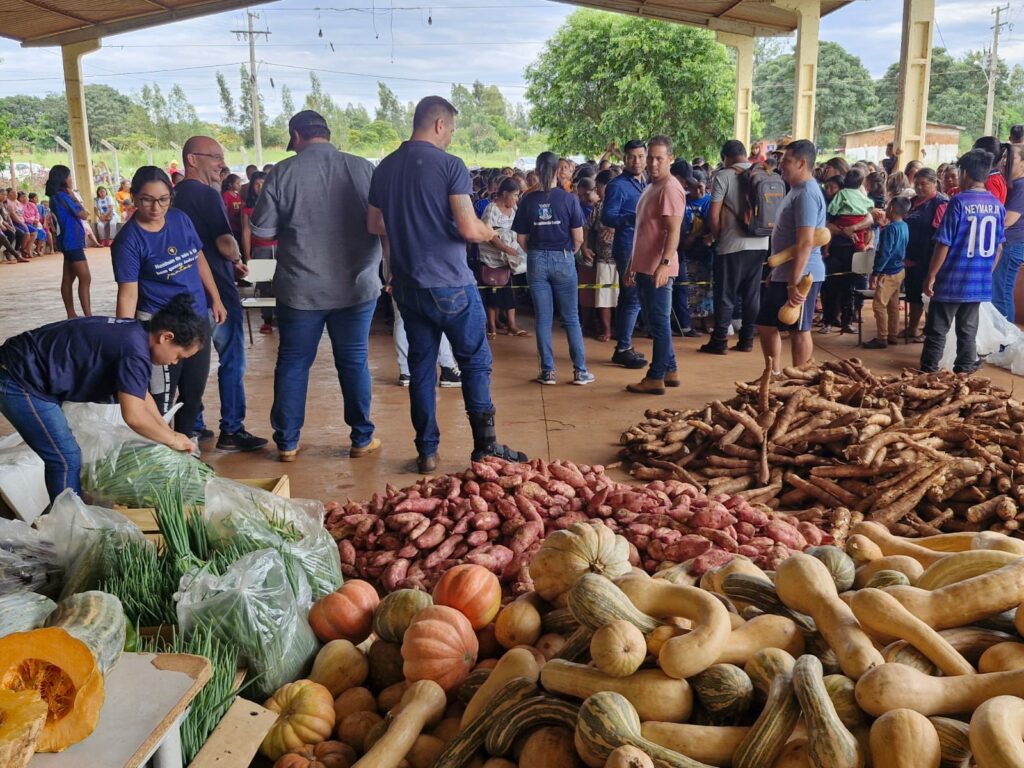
x=415, y=47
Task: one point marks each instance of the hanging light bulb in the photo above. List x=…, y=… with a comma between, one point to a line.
x=430, y=19
x=320, y=33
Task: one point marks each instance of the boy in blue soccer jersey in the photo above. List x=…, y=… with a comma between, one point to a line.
x=968, y=245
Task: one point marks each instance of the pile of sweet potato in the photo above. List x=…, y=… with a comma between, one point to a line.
x=496, y=514
x=922, y=453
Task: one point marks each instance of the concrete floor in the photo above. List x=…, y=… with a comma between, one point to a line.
x=560, y=422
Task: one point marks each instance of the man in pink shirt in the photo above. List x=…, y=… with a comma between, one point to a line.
x=655, y=262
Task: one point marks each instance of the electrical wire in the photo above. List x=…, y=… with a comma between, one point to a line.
x=370, y=75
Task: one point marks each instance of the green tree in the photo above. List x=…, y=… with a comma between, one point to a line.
x=846, y=99
x=605, y=77
x=390, y=110
x=287, y=103
x=319, y=100
x=227, y=101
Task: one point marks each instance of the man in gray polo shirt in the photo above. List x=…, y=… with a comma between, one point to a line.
x=328, y=276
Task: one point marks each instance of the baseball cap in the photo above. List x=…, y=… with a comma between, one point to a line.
x=307, y=118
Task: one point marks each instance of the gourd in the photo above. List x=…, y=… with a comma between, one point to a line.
x=954, y=741
x=577, y=645
x=465, y=744
x=968, y=601
x=906, y=565
x=760, y=593
x=655, y=695
x=712, y=744
x=765, y=665
x=22, y=611
x=618, y=649
x=338, y=666
x=608, y=721
x=390, y=696
x=360, y=729
x=628, y=757
x=862, y=549
x=63, y=671
x=471, y=589
x=305, y=715
x=550, y=645
x=796, y=754
x=904, y=738
x=760, y=633
x=354, y=700
x=684, y=656
x=581, y=548
x=1002, y=658
x=22, y=716
x=997, y=733
x=897, y=686
x=660, y=636
x=1000, y=541
x=559, y=621
x=97, y=619
x=326, y=754
x=962, y=565
x=766, y=738
x=425, y=750
x=830, y=744
x=517, y=663
x=804, y=585
x=527, y=715
x=841, y=690
x=790, y=314
x=969, y=642
x=881, y=613
x=714, y=580
x=422, y=705
x=822, y=237
x=499, y=762
x=472, y=684
x=725, y=692
x=840, y=565
x=595, y=601
x=439, y=645
x=549, y=747
x=895, y=545
x=887, y=578
x=385, y=664
x=346, y=613
x=518, y=623
x=396, y=612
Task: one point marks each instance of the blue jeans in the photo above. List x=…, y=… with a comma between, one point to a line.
x=628, y=308
x=658, y=310
x=444, y=356
x=300, y=333
x=458, y=313
x=681, y=298
x=45, y=430
x=552, y=277
x=1004, y=280
x=229, y=340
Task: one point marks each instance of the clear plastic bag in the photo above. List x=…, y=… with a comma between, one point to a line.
x=994, y=333
x=119, y=466
x=244, y=518
x=252, y=607
x=29, y=560
x=82, y=536
x=24, y=611
x=22, y=478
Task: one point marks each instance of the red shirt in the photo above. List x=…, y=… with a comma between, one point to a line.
x=656, y=202
x=996, y=184
x=233, y=204
x=259, y=241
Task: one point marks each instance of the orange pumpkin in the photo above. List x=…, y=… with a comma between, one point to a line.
x=346, y=614
x=326, y=754
x=439, y=645
x=471, y=589
x=305, y=716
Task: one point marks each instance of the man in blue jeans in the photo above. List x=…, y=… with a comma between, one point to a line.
x=199, y=198
x=328, y=276
x=419, y=203
x=619, y=212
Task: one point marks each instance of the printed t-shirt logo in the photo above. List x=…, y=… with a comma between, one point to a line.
x=544, y=212
x=172, y=250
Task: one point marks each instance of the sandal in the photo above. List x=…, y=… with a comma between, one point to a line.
x=519, y=332
x=917, y=339
x=604, y=337
x=491, y=336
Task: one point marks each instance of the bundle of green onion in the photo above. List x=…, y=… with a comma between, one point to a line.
x=133, y=475
x=145, y=579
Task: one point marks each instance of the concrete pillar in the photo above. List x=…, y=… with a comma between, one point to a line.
x=78, y=120
x=914, y=79
x=744, y=45
x=808, y=18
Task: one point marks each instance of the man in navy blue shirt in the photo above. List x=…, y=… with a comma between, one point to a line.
x=619, y=212
x=420, y=205
x=199, y=198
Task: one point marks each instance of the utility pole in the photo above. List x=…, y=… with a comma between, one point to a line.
x=254, y=94
x=993, y=66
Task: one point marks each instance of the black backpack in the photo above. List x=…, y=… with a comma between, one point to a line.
x=761, y=195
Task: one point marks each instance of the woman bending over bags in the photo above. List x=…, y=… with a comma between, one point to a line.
x=93, y=360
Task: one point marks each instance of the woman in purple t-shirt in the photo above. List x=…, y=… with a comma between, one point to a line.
x=1004, y=277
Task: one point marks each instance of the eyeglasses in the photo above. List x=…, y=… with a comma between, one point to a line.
x=207, y=154
x=155, y=202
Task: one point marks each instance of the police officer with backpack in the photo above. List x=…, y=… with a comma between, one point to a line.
x=745, y=199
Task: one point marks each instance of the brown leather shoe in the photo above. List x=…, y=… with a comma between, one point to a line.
x=288, y=456
x=672, y=379
x=647, y=387
x=360, y=451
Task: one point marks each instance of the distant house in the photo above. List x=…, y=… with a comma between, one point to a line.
x=941, y=145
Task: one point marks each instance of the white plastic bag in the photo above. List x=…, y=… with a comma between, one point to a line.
x=22, y=479
x=994, y=332
x=29, y=560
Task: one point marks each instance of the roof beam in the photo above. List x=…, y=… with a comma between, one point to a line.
x=670, y=12
x=90, y=31
x=57, y=11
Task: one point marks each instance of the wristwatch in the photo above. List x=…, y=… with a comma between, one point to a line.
x=666, y=262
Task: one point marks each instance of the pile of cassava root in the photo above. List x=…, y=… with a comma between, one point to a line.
x=921, y=453
x=496, y=514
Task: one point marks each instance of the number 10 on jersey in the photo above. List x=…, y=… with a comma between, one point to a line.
x=982, y=238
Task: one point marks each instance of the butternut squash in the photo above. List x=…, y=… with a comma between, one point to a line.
x=904, y=564
x=518, y=623
x=968, y=601
x=714, y=580
x=618, y=649
x=882, y=614
x=962, y=565
x=517, y=662
x=804, y=585
x=628, y=757
x=764, y=665
x=948, y=542
x=656, y=639
x=862, y=549
x=655, y=695
x=841, y=690
x=904, y=738
x=829, y=743
x=766, y=739
x=682, y=657
x=1002, y=658
x=421, y=706
x=997, y=733
x=711, y=744
x=895, y=545
x=897, y=686
x=550, y=747
x=999, y=541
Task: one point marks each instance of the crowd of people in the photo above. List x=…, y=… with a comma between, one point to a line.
x=637, y=239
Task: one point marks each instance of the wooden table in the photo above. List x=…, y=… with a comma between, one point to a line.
x=147, y=696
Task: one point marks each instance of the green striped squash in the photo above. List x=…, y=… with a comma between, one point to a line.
x=830, y=743
x=767, y=737
x=460, y=750
x=608, y=721
x=764, y=666
x=97, y=619
x=596, y=601
x=558, y=621
x=760, y=593
x=527, y=716
x=954, y=744
x=472, y=683
x=577, y=646
x=725, y=692
x=395, y=613
x=840, y=689
x=888, y=578
x=839, y=564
